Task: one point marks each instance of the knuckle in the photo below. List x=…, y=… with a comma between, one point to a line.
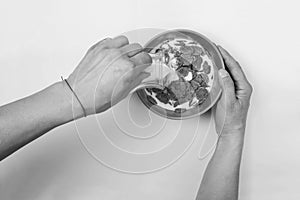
x=138, y=45
x=124, y=38
x=105, y=41
x=237, y=63
x=249, y=89
x=129, y=64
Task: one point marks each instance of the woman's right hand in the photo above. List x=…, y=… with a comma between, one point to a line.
x=108, y=72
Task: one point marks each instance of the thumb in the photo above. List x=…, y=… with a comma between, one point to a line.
x=227, y=86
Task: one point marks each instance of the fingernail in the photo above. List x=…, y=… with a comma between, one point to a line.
x=223, y=73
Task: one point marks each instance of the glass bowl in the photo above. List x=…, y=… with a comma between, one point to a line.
x=196, y=61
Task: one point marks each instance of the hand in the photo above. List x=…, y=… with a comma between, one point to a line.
x=108, y=72
x=232, y=108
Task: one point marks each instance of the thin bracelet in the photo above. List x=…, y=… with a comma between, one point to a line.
x=74, y=95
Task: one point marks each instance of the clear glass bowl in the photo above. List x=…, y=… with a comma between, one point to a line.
x=184, y=75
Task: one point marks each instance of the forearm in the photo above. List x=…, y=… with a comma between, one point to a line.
x=29, y=118
x=221, y=178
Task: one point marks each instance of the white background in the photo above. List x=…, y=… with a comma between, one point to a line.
x=42, y=40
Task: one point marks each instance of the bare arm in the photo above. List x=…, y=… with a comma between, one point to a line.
x=106, y=74
x=221, y=178
x=26, y=119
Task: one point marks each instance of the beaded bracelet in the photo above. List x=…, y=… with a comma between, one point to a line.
x=84, y=112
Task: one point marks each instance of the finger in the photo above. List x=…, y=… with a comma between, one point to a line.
x=227, y=86
x=242, y=85
x=119, y=41
x=131, y=49
x=142, y=59
x=234, y=67
x=98, y=44
x=116, y=42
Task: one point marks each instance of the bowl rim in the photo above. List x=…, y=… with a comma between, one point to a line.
x=214, y=46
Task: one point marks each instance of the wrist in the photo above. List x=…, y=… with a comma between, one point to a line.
x=232, y=138
x=69, y=107
x=233, y=129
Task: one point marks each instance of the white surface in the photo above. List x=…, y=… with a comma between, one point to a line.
x=41, y=40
